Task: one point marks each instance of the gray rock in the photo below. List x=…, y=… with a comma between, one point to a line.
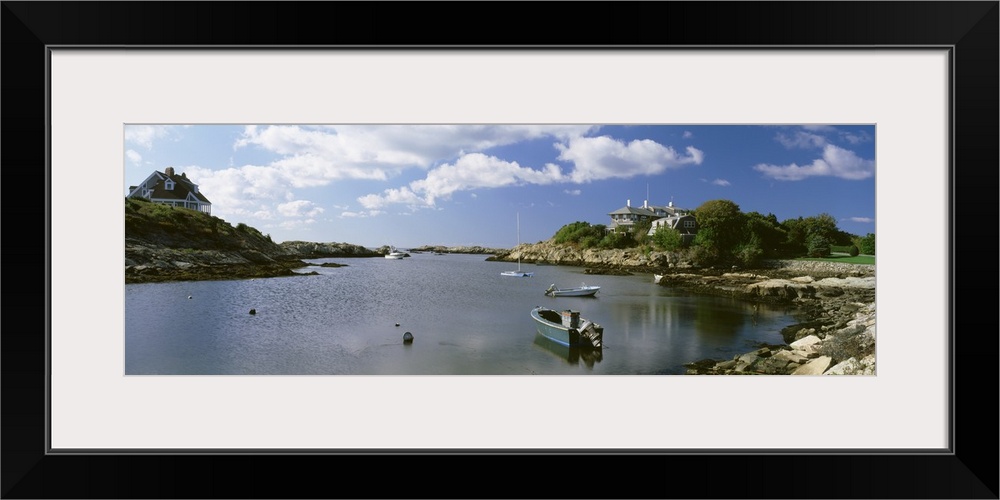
x=814, y=367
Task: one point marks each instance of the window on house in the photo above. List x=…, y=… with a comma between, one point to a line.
x=689, y=223
x=169, y=185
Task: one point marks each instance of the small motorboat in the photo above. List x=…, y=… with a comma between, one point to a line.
x=583, y=290
x=395, y=254
x=567, y=328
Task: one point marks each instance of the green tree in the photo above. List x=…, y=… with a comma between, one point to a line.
x=640, y=231
x=818, y=246
x=616, y=240
x=748, y=253
x=668, y=238
x=579, y=233
x=767, y=232
x=721, y=227
x=866, y=244
x=795, y=236
x=800, y=231
x=824, y=225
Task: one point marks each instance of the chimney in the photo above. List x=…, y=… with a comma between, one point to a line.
x=628, y=203
x=645, y=203
x=169, y=171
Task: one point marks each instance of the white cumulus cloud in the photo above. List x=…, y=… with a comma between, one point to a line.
x=596, y=158
x=720, y=182
x=299, y=208
x=315, y=155
x=133, y=156
x=144, y=135
x=243, y=190
x=471, y=171
x=801, y=140
x=836, y=162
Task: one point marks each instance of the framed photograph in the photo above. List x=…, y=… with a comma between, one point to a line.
x=903, y=94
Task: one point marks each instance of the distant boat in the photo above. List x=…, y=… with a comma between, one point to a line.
x=657, y=278
x=567, y=328
x=519, y=273
x=395, y=254
x=583, y=290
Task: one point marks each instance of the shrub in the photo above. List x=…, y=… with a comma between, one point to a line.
x=841, y=347
x=589, y=241
x=577, y=232
x=667, y=238
x=703, y=255
x=853, y=251
x=817, y=246
x=866, y=245
x=748, y=254
x=616, y=240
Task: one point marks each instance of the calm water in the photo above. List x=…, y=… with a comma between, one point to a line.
x=466, y=319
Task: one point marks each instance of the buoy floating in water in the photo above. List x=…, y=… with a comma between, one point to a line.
x=407, y=338
x=397, y=324
x=253, y=311
x=189, y=296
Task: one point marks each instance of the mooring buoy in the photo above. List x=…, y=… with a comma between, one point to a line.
x=253, y=311
x=397, y=324
x=407, y=338
x=189, y=296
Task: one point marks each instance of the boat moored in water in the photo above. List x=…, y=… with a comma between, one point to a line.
x=583, y=290
x=395, y=254
x=567, y=328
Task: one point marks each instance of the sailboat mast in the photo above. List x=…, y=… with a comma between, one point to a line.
x=519, y=241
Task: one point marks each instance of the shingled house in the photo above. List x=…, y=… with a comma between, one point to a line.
x=171, y=189
x=659, y=216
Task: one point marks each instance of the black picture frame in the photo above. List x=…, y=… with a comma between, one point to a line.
x=970, y=28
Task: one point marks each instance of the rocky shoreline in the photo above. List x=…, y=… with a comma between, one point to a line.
x=836, y=330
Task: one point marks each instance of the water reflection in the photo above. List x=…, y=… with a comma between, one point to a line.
x=572, y=355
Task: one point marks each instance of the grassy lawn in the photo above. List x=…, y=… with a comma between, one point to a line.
x=847, y=259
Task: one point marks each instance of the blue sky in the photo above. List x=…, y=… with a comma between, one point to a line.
x=412, y=185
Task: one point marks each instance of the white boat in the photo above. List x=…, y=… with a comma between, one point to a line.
x=657, y=278
x=395, y=254
x=583, y=290
x=519, y=273
x=567, y=328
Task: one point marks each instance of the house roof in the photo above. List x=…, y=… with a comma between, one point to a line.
x=182, y=188
x=632, y=210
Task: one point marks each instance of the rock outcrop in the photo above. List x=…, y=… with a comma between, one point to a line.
x=176, y=244
x=459, y=249
x=313, y=250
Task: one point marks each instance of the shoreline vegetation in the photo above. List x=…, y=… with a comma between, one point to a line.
x=833, y=302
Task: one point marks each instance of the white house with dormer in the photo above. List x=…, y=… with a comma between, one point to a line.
x=171, y=189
